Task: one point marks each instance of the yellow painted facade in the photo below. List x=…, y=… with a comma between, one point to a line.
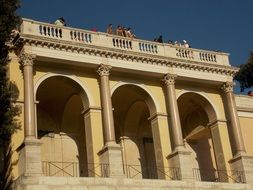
x=69, y=123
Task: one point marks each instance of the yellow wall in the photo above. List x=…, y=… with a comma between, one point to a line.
x=90, y=79
x=247, y=133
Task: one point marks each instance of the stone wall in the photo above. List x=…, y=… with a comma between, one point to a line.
x=64, y=183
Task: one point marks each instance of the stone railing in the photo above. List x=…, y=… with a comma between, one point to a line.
x=100, y=39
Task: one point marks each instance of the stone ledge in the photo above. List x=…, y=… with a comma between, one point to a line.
x=57, y=183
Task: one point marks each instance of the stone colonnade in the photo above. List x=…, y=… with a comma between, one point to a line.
x=111, y=152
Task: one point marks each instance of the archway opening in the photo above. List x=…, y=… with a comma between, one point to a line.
x=196, y=113
x=60, y=126
x=132, y=106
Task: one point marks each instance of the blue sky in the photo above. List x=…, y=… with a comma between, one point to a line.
x=225, y=25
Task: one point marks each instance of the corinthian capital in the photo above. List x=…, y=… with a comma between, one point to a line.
x=227, y=87
x=104, y=70
x=169, y=79
x=26, y=59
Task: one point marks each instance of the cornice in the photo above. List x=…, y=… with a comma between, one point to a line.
x=128, y=55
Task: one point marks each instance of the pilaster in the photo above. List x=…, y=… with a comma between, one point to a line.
x=242, y=166
x=111, y=159
x=161, y=138
x=30, y=157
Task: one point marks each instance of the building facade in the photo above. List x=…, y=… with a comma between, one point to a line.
x=101, y=111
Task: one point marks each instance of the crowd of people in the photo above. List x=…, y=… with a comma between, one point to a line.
x=127, y=32
x=183, y=44
x=120, y=31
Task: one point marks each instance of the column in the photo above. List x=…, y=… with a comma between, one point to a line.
x=234, y=128
x=176, y=129
x=31, y=153
x=180, y=157
x=107, y=115
x=110, y=155
x=27, y=61
x=240, y=162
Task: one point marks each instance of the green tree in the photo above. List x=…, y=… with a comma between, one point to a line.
x=245, y=74
x=8, y=21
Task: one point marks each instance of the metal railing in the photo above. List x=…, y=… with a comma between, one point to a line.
x=213, y=175
x=75, y=169
x=154, y=172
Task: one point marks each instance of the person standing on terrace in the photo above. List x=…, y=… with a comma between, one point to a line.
x=129, y=33
x=60, y=22
x=250, y=93
x=119, y=31
x=185, y=44
x=110, y=29
x=160, y=39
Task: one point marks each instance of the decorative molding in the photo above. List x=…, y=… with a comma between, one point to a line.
x=169, y=79
x=157, y=115
x=112, y=53
x=90, y=109
x=227, y=87
x=104, y=70
x=26, y=59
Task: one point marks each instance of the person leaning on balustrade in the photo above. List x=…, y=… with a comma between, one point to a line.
x=119, y=31
x=109, y=29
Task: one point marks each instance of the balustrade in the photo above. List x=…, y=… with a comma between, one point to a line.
x=50, y=31
x=148, y=47
x=122, y=43
x=184, y=53
x=207, y=57
x=113, y=41
x=80, y=36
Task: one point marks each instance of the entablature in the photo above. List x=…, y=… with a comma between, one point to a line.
x=135, y=52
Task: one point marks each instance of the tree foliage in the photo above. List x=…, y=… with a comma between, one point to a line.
x=8, y=21
x=245, y=74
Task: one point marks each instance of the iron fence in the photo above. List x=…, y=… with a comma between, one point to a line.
x=219, y=175
x=75, y=169
x=138, y=171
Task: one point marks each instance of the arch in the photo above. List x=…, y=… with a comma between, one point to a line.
x=196, y=114
x=85, y=94
x=61, y=125
x=152, y=102
x=133, y=106
x=210, y=107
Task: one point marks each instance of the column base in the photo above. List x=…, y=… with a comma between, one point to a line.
x=31, y=157
x=110, y=155
x=180, y=158
x=243, y=162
